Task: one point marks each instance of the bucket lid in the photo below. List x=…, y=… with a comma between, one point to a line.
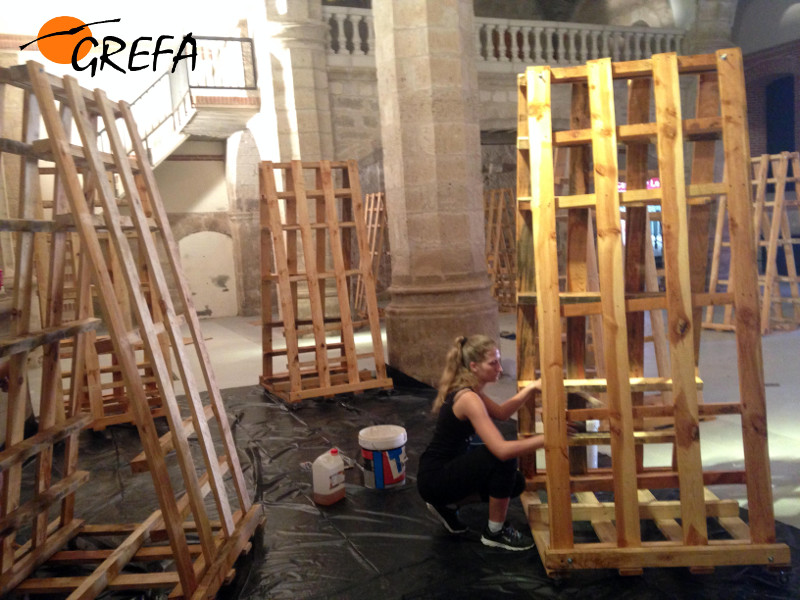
x=382, y=437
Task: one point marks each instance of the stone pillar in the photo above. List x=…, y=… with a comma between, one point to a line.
x=300, y=79
x=428, y=91
x=712, y=27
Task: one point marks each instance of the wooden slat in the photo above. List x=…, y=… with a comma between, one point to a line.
x=615, y=343
x=47, y=336
x=325, y=182
x=18, y=453
x=53, y=493
x=743, y=268
x=546, y=276
x=680, y=322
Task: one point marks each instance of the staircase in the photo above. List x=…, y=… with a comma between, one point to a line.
x=215, y=99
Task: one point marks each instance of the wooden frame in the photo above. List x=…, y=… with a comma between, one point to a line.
x=615, y=537
x=772, y=214
x=375, y=219
x=322, y=202
x=223, y=525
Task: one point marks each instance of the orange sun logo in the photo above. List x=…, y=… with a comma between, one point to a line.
x=58, y=37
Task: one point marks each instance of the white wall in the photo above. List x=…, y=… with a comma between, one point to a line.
x=192, y=186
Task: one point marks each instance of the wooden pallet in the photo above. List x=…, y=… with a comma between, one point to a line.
x=501, y=246
x=615, y=537
x=62, y=104
x=322, y=202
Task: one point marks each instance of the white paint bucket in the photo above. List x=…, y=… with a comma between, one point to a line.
x=383, y=450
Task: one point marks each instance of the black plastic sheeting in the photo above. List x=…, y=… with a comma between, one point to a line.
x=384, y=543
x=375, y=543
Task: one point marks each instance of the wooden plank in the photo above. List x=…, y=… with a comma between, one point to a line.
x=615, y=342
x=46, y=336
x=680, y=323
x=281, y=257
x=316, y=295
x=578, y=256
x=122, y=582
x=668, y=554
x=325, y=182
x=22, y=301
x=743, y=267
x=588, y=507
x=637, y=239
x=545, y=255
x=699, y=218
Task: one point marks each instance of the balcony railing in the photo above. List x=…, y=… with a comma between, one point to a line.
x=505, y=44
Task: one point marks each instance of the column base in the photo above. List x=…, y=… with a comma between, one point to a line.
x=422, y=321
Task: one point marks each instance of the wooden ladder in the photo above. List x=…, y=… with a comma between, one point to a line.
x=623, y=297
x=322, y=202
x=224, y=527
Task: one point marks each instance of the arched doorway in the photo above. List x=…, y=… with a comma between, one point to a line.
x=207, y=259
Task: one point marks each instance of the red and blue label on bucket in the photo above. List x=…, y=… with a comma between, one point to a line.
x=384, y=456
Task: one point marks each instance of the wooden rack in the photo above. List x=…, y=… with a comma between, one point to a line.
x=375, y=218
x=501, y=246
x=85, y=203
x=601, y=528
x=773, y=212
x=322, y=202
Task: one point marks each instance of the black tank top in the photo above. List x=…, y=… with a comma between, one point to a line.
x=451, y=435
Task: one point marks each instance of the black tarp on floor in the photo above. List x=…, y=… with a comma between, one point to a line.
x=374, y=544
x=384, y=544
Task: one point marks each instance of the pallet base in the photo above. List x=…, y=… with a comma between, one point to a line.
x=669, y=552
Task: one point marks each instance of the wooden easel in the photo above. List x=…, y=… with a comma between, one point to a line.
x=501, y=246
x=322, y=202
x=615, y=537
x=88, y=206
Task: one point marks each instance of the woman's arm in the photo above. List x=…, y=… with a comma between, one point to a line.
x=504, y=411
x=470, y=406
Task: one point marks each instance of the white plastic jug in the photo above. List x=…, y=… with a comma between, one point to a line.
x=328, y=474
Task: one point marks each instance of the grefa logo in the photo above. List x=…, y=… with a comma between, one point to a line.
x=68, y=40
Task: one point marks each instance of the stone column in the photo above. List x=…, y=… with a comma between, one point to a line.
x=712, y=27
x=428, y=91
x=300, y=79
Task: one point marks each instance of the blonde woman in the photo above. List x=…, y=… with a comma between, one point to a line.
x=450, y=471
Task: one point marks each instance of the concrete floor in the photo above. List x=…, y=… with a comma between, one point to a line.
x=235, y=347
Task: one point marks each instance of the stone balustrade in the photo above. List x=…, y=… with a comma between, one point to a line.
x=510, y=45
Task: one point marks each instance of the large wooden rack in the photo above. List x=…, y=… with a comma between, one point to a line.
x=590, y=516
x=191, y=503
x=322, y=202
